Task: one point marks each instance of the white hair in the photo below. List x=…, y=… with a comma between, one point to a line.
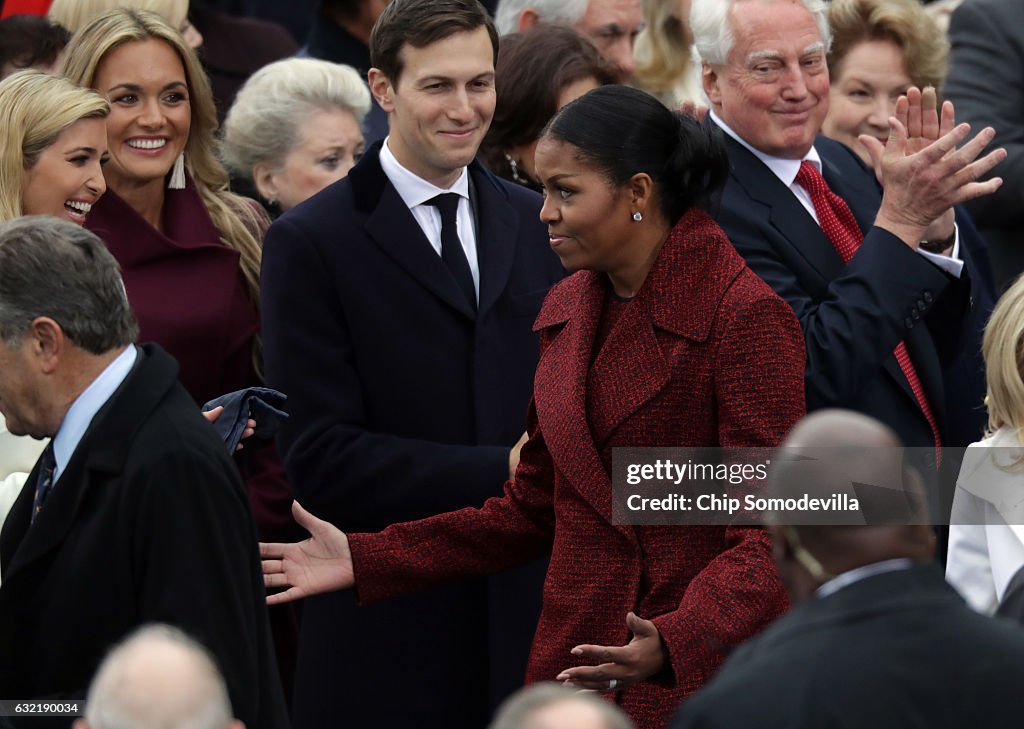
x=158, y=678
x=262, y=124
x=506, y=15
x=712, y=27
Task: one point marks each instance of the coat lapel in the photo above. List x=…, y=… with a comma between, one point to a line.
x=392, y=227
x=101, y=451
x=560, y=386
x=497, y=223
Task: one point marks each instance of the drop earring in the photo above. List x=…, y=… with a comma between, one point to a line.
x=637, y=216
x=177, y=181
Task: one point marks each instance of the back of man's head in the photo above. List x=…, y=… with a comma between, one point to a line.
x=420, y=23
x=56, y=269
x=848, y=451
x=158, y=678
x=552, y=706
x=509, y=12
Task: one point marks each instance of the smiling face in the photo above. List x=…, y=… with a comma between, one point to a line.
x=328, y=145
x=588, y=218
x=150, y=116
x=441, y=105
x=67, y=178
x=871, y=77
x=773, y=89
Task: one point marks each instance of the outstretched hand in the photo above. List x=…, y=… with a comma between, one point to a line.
x=321, y=563
x=619, y=666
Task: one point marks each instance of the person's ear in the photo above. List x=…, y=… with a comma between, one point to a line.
x=641, y=191
x=528, y=19
x=263, y=176
x=382, y=89
x=47, y=343
x=711, y=79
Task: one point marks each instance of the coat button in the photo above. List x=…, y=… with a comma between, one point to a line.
x=909, y=322
x=928, y=296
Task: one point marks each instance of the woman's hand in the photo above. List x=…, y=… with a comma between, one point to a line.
x=321, y=563
x=250, y=424
x=620, y=666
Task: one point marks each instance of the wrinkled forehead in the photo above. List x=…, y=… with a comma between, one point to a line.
x=772, y=29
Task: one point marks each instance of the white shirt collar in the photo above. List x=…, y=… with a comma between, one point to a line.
x=412, y=188
x=861, y=573
x=84, y=408
x=785, y=169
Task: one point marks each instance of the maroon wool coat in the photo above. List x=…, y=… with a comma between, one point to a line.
x=705, y=354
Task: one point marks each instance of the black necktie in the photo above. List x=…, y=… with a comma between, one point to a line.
x=452, y=252
x=44, y=481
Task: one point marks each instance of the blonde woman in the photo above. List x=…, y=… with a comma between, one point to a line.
x=50, y=153
x=295, y=128
x=189, y=249
x=664, y=60
x=986, y=536
x=76, y=14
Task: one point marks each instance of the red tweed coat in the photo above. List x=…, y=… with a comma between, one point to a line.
x=705, y=354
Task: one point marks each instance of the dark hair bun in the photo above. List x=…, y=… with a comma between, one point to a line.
x=623, y=131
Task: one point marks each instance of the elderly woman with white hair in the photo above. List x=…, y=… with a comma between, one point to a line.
x=295, y=128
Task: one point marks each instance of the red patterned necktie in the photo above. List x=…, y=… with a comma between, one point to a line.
x=841, y=227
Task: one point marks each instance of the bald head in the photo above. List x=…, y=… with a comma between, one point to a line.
x=158, y=678
x=552, y=706
x=860, y=456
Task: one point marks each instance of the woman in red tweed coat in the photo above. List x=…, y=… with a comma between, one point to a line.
x=663, y=338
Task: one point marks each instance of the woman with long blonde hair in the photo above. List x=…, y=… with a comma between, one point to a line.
x=189, y=248
x=50, y=154
x=76, y=14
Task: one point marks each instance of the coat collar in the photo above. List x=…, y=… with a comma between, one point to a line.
x=103, y=449
x=393, y=228
x=680, y=296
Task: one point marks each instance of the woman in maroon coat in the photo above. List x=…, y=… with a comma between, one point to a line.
x=189, y=249
x=663, y=338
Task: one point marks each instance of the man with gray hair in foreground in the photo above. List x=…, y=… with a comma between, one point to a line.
x=553, y=706
x=158, y=678
x=135, y=511
x=876, y=638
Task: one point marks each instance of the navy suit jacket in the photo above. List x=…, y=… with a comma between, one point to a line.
x=404, y=404
x=898, y=649
x=853, y=316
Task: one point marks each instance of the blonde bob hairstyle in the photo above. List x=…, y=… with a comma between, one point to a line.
x=903, y=22
x=262, y=125
x=76, y=14
x=38, y=107
x=664, y=62
x=1003, y=349
x=235, y=218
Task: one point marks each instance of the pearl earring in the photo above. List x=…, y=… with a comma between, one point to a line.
x=637, y=216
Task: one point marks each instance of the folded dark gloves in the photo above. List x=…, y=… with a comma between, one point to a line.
x=262, y=404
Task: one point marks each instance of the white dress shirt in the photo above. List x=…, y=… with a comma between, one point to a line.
x=862, y=573
x=786, y=170
x=415, y=191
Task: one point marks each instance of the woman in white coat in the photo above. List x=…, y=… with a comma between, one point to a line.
x=986, y=536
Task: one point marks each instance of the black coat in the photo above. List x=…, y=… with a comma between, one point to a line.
x=404, y=405
x=148, y=522
x=899, y=649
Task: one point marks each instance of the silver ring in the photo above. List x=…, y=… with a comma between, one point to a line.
x=612, y=684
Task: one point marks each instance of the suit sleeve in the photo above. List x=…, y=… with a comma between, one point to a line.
x=195, y=566
x=505, y=532
x=340, y=469
x=760, y=396
x=986, y=83
x=881, y=294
